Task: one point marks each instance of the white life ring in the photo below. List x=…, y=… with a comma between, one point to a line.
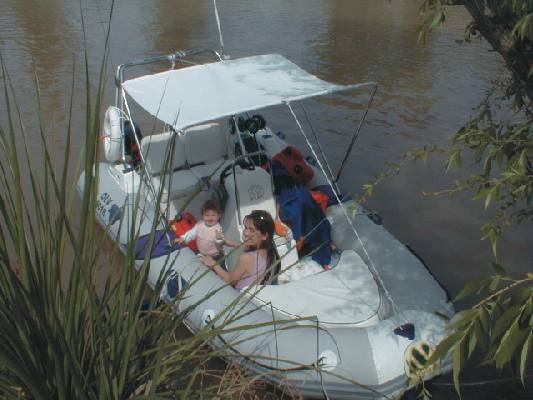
x=112, y=134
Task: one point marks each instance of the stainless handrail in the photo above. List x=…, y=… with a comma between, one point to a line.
x=180, y=54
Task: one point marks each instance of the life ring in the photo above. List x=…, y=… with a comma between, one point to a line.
x=112, y=134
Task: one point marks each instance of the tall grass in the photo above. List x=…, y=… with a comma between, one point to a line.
x=60, y=336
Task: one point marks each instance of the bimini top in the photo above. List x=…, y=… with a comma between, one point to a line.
x=191, y=95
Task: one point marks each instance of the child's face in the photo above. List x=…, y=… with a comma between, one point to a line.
x=211, y=217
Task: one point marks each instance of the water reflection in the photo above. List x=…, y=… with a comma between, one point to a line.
x=426, y=92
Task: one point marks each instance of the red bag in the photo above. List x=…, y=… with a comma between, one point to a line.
x=293, y=161
x=181, y=224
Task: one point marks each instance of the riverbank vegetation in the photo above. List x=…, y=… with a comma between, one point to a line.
x=498, y=329
x=76, y=322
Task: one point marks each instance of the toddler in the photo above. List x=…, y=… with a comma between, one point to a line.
x=208, y=233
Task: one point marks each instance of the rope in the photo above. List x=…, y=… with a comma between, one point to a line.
x=371, y=263
x=219, y=28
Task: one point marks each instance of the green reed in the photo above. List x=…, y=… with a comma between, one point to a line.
x=60, y=336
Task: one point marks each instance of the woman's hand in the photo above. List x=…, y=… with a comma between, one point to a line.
x=209, y=261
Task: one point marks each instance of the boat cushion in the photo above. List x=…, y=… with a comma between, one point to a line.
x=254, y=188
x=179, y=184
x=346, y=294
x=154, y=150
x=212, y=169
x=205, y=143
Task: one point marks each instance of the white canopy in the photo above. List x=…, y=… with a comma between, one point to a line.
x=189, y=96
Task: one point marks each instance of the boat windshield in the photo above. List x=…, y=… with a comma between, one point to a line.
x=189, y=96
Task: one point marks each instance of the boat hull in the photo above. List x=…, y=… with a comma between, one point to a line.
x=344, y=360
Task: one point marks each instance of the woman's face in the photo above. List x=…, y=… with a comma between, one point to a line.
x=252, y=236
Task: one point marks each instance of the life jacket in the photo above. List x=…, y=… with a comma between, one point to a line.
x=181, y=224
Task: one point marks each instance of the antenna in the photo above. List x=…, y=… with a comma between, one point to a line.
x=219, y=30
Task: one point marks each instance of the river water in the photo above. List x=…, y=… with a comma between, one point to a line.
x=427, y=91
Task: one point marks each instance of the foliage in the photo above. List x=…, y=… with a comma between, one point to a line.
x=62, y=336
x=500, y=325
x=506, y=24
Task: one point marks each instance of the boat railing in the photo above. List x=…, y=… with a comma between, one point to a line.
x=172, y=58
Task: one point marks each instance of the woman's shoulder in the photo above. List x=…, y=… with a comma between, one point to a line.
x=247, y=255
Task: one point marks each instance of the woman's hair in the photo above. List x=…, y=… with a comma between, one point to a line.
x=210, y=205
x=264, y=223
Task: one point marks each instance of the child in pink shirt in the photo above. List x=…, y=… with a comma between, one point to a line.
x=208, y=233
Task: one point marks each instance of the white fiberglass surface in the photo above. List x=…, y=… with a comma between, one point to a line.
x=188, y=96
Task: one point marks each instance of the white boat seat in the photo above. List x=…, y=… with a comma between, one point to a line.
x=154, y=150
x=178, y=184
x=199, y=153
x=211, y=169
x=254, y=190
x=205, y=143
x=347, y=294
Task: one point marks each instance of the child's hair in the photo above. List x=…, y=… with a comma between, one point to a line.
x=264, y=223
x=210, y=205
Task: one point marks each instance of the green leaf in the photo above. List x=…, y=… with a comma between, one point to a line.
x=454, y=159
x=523, y=161
x=526, y=349
x=442, y=349
x=462, y=318
x=496, y=280
x=473, y=287
x=504, y=321
x=500, y=270
x=369, y=189
x=481, y=335
x=457, y=363
x=472, y=341
x=512, y=339
x=484, y=318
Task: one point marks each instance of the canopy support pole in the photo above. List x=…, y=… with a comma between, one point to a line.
x=219, y=30
x=370, y=262
x=322, y=154
x=355, y=135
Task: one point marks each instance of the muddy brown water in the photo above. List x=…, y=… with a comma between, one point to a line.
x=426, y=92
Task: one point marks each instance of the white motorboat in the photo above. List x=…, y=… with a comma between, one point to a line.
x=361, y=328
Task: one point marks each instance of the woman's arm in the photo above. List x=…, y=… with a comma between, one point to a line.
x=243, y=267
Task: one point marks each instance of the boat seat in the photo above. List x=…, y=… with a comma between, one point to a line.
x=212, y=169
x=206, y=149
x=156, y=155
x=254, y=191
x=198, y=154
x=177, y=184
x=205, y=143
x=346, y=294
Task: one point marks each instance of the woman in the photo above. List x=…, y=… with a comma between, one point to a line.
x=259, y=259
